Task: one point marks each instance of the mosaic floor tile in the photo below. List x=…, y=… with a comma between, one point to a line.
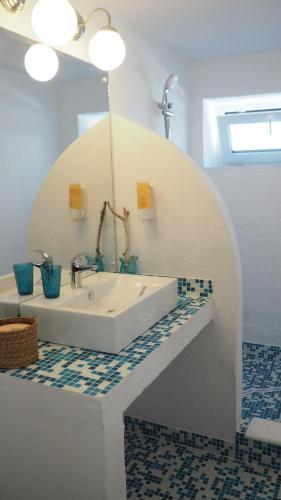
x=157, y=469
x=168, y=464
x=261, y=383
x=262, y=405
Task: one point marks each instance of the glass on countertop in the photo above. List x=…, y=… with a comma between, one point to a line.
x=129, y=266
x=24, y=277
x=51, y=281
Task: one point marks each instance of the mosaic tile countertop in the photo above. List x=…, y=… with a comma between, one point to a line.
x=261, y=383
x=95, y=373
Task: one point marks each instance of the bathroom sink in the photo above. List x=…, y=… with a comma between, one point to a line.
x=10, y=300
x=107, y=314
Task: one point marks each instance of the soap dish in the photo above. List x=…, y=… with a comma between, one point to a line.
x=18, y=342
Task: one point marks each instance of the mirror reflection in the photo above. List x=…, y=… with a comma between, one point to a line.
x=39, y=122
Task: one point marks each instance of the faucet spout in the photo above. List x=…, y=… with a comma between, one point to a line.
x=46, y=259
x=78, y=265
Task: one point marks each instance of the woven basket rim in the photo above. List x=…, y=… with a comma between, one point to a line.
x=30, y=323
x=19, y=348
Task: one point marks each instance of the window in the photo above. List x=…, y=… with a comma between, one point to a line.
x=86, y=121
x=251, y=136
x=242, y=130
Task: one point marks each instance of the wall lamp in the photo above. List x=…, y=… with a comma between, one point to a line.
x=56, y=23
x=13, y=5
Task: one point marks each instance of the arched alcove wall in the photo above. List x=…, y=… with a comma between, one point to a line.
x=197, y=241
x=87, y=161
x=191, y=236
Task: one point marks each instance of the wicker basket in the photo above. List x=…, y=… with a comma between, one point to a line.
x=18, y=348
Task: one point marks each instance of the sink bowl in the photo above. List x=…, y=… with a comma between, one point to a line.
x=107, y=314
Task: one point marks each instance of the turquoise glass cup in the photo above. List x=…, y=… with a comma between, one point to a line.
x=51, y=281
x=129, y=266
x=24, y=278
x=96, y=261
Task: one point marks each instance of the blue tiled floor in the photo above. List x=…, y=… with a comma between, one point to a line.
x=261, y=383
x=160, y=469
x=157, y=469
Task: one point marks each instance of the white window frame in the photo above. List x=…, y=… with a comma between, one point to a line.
x=246, y=157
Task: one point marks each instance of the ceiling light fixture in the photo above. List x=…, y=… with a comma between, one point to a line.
x=56, y=23
x=13, y=5
x=41, y=62
x=107, y=49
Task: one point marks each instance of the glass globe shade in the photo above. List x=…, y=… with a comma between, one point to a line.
x=54, y=22
x=107, y=49
x=41, y=62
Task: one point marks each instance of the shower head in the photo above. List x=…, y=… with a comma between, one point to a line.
x=171, y=82
x=166, y=106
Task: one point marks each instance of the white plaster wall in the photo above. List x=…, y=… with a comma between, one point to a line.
x=86, y=161
x=75, y=97
x=192, y=236
x=28, y=138
x=49, y=443
x=136, y=87
x=253, y=198
x=211, y=405
x=252, y=193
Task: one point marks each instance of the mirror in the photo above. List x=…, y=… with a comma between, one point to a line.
x=39, y=123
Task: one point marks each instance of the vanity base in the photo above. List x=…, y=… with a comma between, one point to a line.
x=63, y=443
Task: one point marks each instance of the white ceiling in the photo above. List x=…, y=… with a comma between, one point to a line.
x=205, y=28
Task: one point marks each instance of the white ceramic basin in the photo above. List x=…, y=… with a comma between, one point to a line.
x=107, y=314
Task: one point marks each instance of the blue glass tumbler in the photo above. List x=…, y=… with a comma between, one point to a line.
x=24, y=277
x=129, y=266
x=96, y=261
x=51, y=281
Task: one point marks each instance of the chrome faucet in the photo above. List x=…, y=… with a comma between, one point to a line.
x=78, y=266
x=46, y=259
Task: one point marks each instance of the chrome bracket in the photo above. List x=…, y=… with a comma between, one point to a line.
x=83, y=22
x=81, y=27
x=13, y=5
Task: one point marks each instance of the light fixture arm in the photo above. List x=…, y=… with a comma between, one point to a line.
x=13, y=6
x=82, y=22
x=99, y=9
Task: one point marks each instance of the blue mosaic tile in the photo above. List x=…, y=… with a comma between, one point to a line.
x=261, y=366
x=262, y=399
x=263, y=405
x=197, y=286
x=261, y=383
x=179, y=437
x=256, y=452
x=94, y=373
x=157, y=469
x=261, y=375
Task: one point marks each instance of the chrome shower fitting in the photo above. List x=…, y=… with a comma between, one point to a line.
x=166, y=106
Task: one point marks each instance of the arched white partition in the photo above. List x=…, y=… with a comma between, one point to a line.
x=87, y=161
x=191, y=236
